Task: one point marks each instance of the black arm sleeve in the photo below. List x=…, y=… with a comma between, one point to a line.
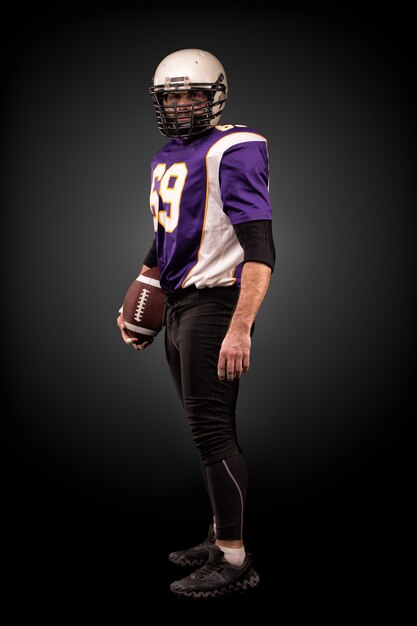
x=151, y=259
x=257, y=241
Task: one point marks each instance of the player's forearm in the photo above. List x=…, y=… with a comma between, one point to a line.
x=253, y=287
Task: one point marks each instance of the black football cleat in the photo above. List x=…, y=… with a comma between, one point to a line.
x=216, y=578
x=196, y=556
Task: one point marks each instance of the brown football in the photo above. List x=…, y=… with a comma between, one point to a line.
x=143, y=306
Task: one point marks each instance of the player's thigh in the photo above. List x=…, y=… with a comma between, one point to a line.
x=202, y=330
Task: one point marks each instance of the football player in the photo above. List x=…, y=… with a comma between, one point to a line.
x=214, y=248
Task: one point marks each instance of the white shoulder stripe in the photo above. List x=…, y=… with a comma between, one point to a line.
x=233, y=139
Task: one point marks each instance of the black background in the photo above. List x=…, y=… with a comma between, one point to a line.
x=101, y=477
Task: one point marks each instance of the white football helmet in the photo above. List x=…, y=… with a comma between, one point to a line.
x=187, y=70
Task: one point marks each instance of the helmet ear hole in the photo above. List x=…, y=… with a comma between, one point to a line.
x=189, y=70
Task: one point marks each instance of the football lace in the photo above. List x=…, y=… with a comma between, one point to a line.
x=140, y=309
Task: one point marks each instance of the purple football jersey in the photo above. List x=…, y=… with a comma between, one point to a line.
x=199, y=189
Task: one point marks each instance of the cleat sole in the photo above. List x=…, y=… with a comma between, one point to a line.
x=250, y=581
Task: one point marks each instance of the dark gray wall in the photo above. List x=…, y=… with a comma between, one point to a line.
x=95, y=436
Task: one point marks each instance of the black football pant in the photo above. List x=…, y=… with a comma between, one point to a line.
x=196, y=323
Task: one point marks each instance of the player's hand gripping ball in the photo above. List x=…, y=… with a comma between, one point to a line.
x=143, y=306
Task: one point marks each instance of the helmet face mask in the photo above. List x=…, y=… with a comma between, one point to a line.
x=188, y=71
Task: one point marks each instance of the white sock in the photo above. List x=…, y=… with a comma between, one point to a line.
x=235, y=556
x=214, y=527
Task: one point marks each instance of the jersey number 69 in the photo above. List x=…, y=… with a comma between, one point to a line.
x=171, y=183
